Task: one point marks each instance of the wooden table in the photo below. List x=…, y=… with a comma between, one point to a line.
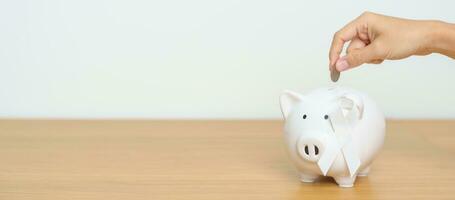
x=59, y=159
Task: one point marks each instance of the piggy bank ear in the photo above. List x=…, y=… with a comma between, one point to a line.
x=287, y=101
x=350, y=101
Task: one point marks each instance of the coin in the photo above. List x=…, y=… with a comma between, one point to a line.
x=334, y=75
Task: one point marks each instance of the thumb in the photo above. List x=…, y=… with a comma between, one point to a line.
x=356, y=57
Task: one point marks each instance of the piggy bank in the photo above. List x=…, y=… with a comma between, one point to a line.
x=332, y=131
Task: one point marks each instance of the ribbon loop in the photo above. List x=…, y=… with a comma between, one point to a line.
x=340, y=142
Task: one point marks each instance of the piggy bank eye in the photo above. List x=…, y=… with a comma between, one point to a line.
x=304, y=116
x=326, y=117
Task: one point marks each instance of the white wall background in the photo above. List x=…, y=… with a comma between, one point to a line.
x=200, y=58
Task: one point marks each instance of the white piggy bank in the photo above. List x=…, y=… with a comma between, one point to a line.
x=334, y=132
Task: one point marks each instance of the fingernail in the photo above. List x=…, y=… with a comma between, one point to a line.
x=342, y=64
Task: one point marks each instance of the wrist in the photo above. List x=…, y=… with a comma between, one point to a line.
x=441, y=38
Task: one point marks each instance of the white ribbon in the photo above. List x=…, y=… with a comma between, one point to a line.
x=340, y=141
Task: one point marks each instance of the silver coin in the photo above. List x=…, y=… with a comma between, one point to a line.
x=334, y=75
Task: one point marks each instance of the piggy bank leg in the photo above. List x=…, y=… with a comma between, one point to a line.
x=307, y=178
x=345, y=181
x=364, y=172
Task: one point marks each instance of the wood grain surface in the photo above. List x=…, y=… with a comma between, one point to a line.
x=120, y=159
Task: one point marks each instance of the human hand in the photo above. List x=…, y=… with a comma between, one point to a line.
x=375, y=38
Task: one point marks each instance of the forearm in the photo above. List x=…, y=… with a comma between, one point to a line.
x=443, y=38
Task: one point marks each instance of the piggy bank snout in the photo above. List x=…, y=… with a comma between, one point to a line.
x=310, y=149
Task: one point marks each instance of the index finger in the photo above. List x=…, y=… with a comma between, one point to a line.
x=345, y=34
